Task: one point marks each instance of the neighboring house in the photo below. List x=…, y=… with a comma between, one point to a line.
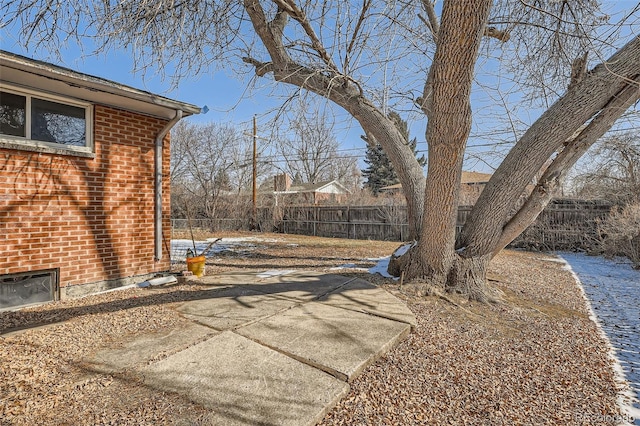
x=395, y=189
x=471, y=185
x=84, y=182
x=285, y=191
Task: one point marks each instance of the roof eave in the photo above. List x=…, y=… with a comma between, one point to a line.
x=90, y=83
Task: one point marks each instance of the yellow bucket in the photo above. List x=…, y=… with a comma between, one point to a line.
x=196, y=265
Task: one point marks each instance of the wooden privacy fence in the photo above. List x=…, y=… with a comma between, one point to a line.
x=356, y=222
x=386, y=223
x=564, y=224
x=242, y=222
x=213, y=225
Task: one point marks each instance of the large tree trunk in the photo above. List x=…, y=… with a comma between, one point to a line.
x=434, y=258
x=401, y=156
x=570, y=127
x=573, y=149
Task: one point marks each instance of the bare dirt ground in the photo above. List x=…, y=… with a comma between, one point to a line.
x=534, y=359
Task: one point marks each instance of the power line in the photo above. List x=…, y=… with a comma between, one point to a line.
x=272, y=158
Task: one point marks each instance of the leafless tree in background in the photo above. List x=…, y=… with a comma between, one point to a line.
x=309, y=150
x=368, y=56
x=210, y=169
x=611, y=171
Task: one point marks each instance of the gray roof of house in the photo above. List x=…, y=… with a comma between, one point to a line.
x=309, y=187
x=267, y=186
x=46, y=77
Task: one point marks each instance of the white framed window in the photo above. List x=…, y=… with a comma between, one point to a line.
x=45, y=121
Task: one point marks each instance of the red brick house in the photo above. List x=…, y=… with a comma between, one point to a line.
x=84, y=188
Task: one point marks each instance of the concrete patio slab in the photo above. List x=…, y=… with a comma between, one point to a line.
x=261, y=345
x=245, y=383
x=139, y=350
x=234, y=307
x=301, y=286
x=362, y=296
x=339, y=341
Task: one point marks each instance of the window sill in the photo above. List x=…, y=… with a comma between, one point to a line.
x=34, y=146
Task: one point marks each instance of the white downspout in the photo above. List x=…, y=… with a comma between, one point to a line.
x=158, y=184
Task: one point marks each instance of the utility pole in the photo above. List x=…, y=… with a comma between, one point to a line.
x=254, y=211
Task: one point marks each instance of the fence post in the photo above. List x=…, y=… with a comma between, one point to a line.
x=315, y=220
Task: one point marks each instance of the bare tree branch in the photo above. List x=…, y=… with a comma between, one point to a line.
x=356, y=34
x=298, y=14
x=593, y=94
x=434, y=26
x=503, y=36
x=574, y=149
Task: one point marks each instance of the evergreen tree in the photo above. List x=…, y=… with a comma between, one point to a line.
x=379, y=172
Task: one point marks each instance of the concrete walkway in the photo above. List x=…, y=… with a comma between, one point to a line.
x=276, y=348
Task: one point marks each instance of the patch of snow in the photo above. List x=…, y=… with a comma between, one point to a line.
x=381, y=268
x=609, y=273
x=232, y=240
x=403, y=249
x=179, y=247
x=553, y=260
x=383, y=262
x=275, y=273
x=351, y=266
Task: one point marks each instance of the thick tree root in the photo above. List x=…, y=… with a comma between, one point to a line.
x=423, y=289
x=420, y=288
x=466, y=276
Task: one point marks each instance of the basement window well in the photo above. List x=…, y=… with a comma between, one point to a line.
x=28, y=288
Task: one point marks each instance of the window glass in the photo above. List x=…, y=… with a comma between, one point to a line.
x=24, y=289
x=12, y=114
x=58, y=123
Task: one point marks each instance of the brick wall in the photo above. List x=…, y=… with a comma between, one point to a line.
x=93, y=218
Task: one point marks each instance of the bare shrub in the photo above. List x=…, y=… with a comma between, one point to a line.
x=621, y=233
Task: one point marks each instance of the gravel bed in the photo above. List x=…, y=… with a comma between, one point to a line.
x=43, y=377
x=534, y=359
